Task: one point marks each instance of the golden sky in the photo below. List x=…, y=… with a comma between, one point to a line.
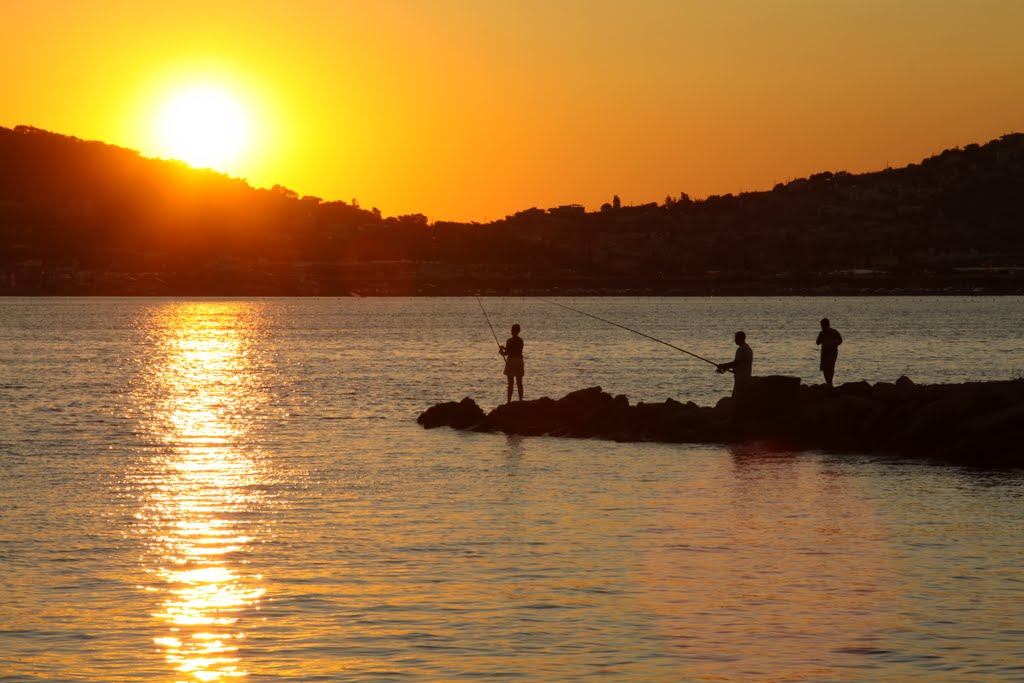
x=474, y=109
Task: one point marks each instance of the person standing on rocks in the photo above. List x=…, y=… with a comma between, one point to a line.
x=514, y=368
x=741, y=366
x=829, y=340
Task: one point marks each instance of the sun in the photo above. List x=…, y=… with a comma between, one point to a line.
x=206, y=126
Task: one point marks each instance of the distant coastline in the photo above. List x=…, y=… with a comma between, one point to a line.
x=86, y=218
x=365, y=280
x=995, y=287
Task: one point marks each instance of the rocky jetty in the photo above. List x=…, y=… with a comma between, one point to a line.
x=979, y=423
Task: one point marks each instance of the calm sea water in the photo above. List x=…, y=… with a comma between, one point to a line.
x=220, y=490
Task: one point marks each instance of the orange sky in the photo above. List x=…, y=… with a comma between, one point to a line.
x=473, y=109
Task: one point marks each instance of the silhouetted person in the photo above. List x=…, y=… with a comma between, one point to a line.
x=829, y=340
x=742, y=365
x=513, y=353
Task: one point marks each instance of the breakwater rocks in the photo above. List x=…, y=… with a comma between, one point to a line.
x=978, y=422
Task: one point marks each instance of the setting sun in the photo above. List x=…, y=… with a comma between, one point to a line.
x=204, y=126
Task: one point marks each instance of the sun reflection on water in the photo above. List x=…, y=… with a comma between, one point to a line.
x=202, y=509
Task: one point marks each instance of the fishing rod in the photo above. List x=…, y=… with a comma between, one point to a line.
x=630, y=329
x=490, y=326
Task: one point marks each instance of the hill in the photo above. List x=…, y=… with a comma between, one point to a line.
x=80, y=217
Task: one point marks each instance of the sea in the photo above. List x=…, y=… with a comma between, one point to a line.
x=197, y=490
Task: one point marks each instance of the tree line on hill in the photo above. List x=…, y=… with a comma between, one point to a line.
x=80, y=217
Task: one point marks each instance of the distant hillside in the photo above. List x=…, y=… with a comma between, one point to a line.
x=81, y=217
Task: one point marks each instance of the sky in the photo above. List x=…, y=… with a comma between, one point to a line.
x=475, y=109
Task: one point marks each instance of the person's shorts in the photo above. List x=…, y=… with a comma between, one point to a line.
x=828, y=361
x=514, y=367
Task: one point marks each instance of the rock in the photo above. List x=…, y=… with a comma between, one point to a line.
x=904, y=382
x=936, y=422
x=769, y=398
x=990, y=438
x=862, y=389
x=853, y=414
x=530, y=418
x=462, y=415
x=725, y=407
x=884, y=391
x=590, y=412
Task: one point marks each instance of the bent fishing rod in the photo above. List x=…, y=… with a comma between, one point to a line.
x=492, y=328
x=629, y=329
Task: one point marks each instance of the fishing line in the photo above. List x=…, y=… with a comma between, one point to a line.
x=630, y=329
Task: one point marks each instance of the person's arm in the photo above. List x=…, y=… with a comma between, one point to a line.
x=722, y=367
x=817, y=341
x=839, y=337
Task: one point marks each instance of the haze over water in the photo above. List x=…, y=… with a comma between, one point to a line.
x=237, y=490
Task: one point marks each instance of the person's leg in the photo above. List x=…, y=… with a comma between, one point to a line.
x=827, y=367
x=519, y=386
x=510, y=381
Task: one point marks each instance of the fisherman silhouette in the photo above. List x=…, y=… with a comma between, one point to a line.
x=741, y=366
x=514, y=368
x=829, y=340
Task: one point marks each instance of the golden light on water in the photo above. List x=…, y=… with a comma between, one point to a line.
x=203, y=483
